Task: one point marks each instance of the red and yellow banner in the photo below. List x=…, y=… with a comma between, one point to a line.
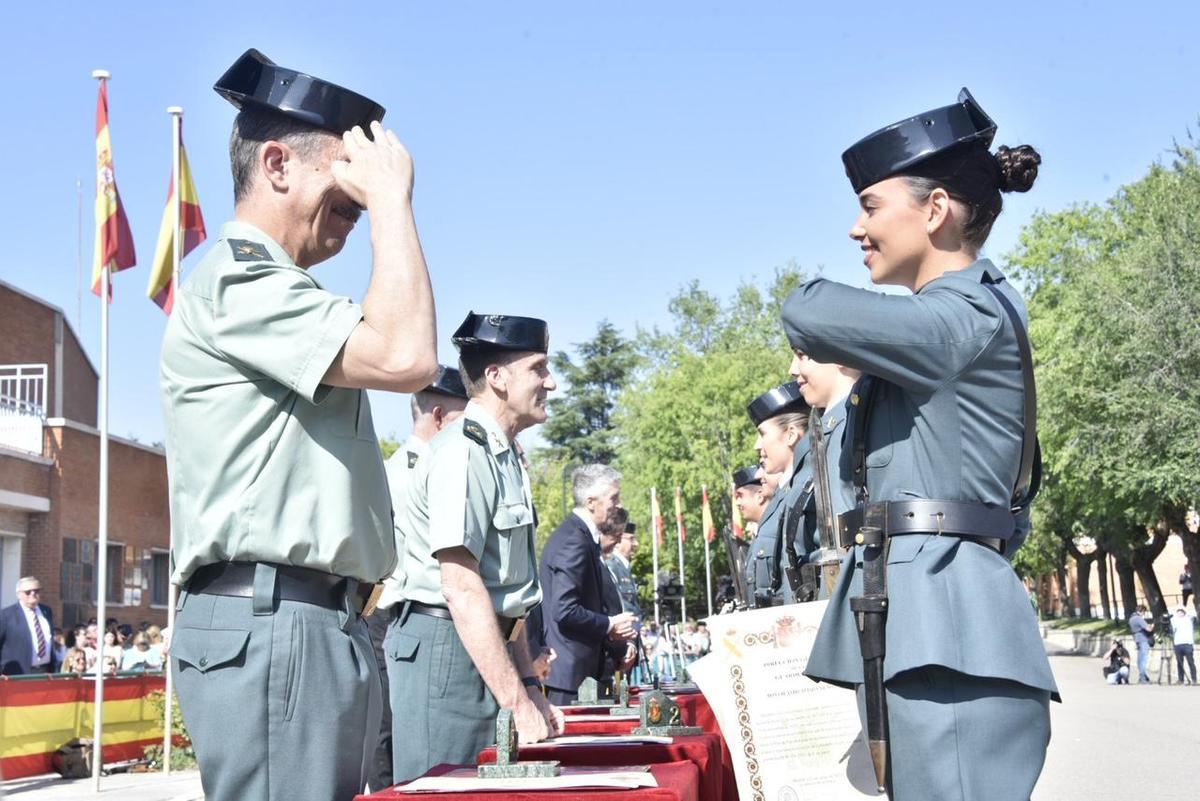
x=39, y=716
x=679, y=514
x=739, y=524
x=706, y=518
x=114, y=242
x=162, y=275
x=657, y=516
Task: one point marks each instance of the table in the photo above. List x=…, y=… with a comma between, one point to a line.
x=677, y=781
x=702, y=750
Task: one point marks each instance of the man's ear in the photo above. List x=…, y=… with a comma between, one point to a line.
x=439, y=416
x=497, y=378
x=273, y=162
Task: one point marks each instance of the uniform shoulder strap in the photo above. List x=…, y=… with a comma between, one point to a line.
x=1029, y=479
x=474, y=431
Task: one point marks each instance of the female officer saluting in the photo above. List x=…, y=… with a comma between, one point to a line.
x=941, y=432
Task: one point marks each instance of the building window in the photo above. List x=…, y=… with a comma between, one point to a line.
x=78, y=589
x=160, y=578
x=116, y=572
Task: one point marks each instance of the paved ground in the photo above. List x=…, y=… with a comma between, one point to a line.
x=1125, y=742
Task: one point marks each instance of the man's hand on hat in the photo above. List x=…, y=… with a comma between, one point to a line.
x=375, y=171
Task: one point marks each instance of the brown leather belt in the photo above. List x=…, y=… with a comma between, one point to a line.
x=991, y=526
x=236, y=580
x=510, y=627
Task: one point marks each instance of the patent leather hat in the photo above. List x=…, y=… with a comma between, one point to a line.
x=747, y=476
x=448, y=382
x=901, y=145
x=503, y=331
x=255, y=80
x=780, y=400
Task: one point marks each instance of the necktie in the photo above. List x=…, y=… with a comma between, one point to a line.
x=41, y=637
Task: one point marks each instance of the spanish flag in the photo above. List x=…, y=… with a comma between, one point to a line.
x=710, y=528
x=657, y=516
x=679, y=514
x=162, y=276
x=739, y=525
x=114, y=242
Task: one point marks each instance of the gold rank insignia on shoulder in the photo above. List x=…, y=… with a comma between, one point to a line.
x=473, y=430
x=245, y=250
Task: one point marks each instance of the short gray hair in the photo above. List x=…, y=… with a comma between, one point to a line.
x=423, y=402
x=586, y=481
x=26, y=580
x=254, y=126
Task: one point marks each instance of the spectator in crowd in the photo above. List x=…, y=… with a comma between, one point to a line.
x=26, y=629
x=74, y=662
x=112, y=645
x=140, y=656
x=91, y=643
x=1183, y=626
x=1116, y=668
x=60, y=645
x=703, y=638
x=1185, y=583
x=1143, y=636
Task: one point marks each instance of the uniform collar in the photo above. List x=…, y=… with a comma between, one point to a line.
x=803, y=449
x=835, y=415
x=587, y=521
x=498, y=441
x=981, y=271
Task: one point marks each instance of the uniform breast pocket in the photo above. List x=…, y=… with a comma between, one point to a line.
x=512, y=522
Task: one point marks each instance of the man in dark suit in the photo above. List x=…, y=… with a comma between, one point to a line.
x=577, y=625
x=26, y=633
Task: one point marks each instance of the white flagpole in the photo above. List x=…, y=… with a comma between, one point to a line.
x=102, y=546
x=654, y=550
x=679, y=537
x=176, y=113
x=707, y=556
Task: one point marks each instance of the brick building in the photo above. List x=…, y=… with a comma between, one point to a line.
x=49, y=477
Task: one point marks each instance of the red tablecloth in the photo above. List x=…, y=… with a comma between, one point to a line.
x=677, y=781
x=614, y=725
x=703, y=750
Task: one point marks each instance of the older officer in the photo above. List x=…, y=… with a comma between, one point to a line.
x=433, y=408
x=279, y=501
x=620, y=565
x=781, y=416
x=941, y=451
x=456, y=649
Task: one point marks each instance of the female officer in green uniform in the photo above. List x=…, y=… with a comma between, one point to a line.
x=937, y=446
x=781, y=416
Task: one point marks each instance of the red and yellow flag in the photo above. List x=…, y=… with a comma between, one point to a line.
x=162, y=275
x=657, y=516
x=739, y=525
x=710, y=528
x=679, y=514
x=114, y=242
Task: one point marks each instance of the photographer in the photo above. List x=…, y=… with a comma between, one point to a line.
x=1117, y=669
x=1143, y=635
x=1183, y=626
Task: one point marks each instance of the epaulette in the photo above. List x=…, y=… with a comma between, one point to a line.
x=245, y=250
x=412, y=460
x=473, y=430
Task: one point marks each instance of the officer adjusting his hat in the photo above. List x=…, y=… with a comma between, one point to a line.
x=279, y=502
x=456, y=648
x=781, y=417
x=941, y=447
x=433, y=408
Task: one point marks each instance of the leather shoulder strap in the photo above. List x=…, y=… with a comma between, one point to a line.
x=1029, y=477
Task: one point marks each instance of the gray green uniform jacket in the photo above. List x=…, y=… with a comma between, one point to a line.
x=267, y=464
x=946, y=423
x=768, y=557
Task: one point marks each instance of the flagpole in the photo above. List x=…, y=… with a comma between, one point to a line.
x=654, y=541
x=707, y=554
x=176, y=113
x=102, y=525
x=679, y=536
x=79, y=254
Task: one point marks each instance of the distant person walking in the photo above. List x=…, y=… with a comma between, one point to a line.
x=1183, y=626
x=1185, y=583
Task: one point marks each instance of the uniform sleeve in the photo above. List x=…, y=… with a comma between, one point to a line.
x=275, y=320
x=458, y=499
x=917, y=342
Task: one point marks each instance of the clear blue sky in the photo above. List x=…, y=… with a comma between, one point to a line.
x=575, y=161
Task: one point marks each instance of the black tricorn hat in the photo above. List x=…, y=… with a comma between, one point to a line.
x=256, y=80
x=747, y=476
x=448, y=382
x=894, y=149
x=780, y=400
x=503, y=331
x=630, y=527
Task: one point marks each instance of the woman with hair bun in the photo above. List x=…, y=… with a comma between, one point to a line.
x=940, y=445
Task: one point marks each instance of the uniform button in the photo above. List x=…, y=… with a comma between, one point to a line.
x=203, y=661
